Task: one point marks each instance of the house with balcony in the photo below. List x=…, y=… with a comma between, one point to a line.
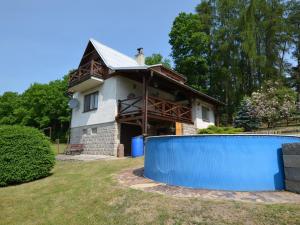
x=116, y=97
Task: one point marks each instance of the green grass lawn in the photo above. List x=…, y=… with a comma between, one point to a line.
x=87, y=193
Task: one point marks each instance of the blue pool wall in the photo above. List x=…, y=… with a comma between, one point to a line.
x=219, y=162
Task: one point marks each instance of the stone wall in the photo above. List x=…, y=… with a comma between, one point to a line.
x=291, y=160
x=98, y=139
x=188, y=129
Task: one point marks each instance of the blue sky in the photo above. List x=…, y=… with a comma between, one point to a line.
x=42, y=40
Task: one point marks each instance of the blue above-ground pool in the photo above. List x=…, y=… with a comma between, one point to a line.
x=220, y=162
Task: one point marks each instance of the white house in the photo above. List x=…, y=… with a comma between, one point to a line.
x=116, y=97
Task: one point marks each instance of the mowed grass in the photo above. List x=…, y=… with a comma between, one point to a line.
x=88, y=193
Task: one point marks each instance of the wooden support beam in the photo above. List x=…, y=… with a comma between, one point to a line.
x=136, y=123
x=145, y=106
x=89, y=53
x=127, y=119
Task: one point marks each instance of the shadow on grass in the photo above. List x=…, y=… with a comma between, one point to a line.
x=139, y=172
x=14, y=184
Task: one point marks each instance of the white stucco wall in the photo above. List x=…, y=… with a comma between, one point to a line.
x=197, y=114
x=107, y=105
x=118, y=88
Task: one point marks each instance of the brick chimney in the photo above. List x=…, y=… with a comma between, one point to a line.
x=140, y=57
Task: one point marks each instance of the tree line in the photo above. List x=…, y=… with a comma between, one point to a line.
x=234, y=50
x=44, y=106
x=231, y=48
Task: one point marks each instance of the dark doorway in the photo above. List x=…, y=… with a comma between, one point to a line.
x=160, y=127
x=129, y=131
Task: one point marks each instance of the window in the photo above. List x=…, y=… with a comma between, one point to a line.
x=91, y=101
x=205, y=114
x=84, y=131
x=94, y=130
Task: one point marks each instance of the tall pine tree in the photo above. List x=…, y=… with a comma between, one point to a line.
x=229, y=48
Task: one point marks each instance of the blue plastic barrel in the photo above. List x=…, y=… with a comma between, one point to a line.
x=137, y=146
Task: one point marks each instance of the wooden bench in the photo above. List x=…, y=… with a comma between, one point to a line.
x=74, y=149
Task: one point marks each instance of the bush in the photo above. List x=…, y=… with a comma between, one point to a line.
x=245, y=117
x=220, y=130
x=25, y=155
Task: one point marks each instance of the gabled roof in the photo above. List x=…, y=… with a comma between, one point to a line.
x=112, y=58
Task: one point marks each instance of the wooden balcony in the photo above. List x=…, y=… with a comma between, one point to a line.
x=92, y=70
x=132, y=109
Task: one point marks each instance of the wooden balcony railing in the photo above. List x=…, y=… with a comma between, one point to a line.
x=169, y=109
x=84, y=72
x=130, y=106
x=157, y=108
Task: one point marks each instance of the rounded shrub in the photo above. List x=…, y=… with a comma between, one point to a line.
x=25, y=155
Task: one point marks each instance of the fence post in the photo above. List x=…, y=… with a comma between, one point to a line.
x=57, y=142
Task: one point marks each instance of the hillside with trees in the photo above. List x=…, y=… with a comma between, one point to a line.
x=230, y=49
x=43, y=106
x=236, y=51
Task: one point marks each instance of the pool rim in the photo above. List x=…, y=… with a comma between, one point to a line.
x=210, y=135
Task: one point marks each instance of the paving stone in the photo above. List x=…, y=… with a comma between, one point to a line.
x=291, y=149
x=292, y=173
x=291, y=160
x=134, y=178
x=293, y=186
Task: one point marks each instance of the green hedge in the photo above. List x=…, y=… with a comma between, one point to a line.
x=25, y=155
x=220, y=130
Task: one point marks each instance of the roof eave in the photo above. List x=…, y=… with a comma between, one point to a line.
x=174, y=71
x=207, y=97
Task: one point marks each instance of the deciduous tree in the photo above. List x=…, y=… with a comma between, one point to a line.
x=229, y=48
x=157, y=59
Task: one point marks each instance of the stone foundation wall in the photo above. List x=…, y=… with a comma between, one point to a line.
x=188, y=129
x=98, y=139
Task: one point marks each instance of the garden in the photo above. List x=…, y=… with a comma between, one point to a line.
x=36, y=190
x=88, y=193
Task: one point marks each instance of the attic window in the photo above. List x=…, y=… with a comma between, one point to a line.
x=205, y=114
x=91, y=101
